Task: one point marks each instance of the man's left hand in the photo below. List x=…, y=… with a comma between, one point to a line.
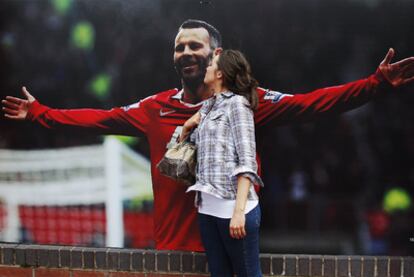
x=399, y=73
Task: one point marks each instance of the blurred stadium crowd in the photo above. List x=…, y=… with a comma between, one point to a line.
x=348, y=177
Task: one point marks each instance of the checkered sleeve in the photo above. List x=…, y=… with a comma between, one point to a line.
x=242, y=130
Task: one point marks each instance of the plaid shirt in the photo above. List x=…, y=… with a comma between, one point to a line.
x=226, y=146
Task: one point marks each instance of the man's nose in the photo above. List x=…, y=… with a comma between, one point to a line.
x=187, y=50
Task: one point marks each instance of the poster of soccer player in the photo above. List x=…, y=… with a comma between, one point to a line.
x=333, y=122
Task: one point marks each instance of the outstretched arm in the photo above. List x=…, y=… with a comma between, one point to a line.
x=125, y=121
x=278, y=108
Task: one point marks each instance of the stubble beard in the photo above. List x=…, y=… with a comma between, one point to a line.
x=193, y=83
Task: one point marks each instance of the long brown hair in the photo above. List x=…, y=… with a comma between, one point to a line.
x=237, y=75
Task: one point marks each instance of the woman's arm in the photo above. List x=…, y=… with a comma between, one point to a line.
x=237, y=222
x=189, y=125
x=242, y=132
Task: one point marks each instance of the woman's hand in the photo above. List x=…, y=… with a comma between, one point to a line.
x=237, y=223
x=189, y=125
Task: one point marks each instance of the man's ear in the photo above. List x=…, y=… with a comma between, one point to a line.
x=217, y=51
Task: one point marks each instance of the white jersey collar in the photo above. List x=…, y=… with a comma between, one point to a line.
x=179, y=96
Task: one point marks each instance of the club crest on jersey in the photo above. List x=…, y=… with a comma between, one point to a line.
x=132, y=106
x=274, y=96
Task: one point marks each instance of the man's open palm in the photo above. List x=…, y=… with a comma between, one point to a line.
x=17, y=108
x=399, y=73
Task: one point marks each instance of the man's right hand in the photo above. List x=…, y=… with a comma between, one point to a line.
x=17, y=108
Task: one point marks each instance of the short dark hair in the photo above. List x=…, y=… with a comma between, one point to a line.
x=215, y=36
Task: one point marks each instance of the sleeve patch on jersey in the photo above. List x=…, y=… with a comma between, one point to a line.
x=275, y=96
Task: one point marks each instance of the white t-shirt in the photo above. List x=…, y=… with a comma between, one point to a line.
x=222, y=208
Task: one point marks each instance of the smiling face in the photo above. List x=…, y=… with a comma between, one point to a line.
x=192, y=53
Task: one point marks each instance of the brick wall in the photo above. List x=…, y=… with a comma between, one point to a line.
x=20, y=260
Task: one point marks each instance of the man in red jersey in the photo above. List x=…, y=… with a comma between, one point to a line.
x=161, y=116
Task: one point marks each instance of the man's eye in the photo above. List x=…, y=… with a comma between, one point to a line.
x=195, y=46
x=179, y=48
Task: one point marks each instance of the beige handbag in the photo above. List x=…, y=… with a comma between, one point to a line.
x=179, y=162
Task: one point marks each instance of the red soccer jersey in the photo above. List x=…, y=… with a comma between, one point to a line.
x=160, y=118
